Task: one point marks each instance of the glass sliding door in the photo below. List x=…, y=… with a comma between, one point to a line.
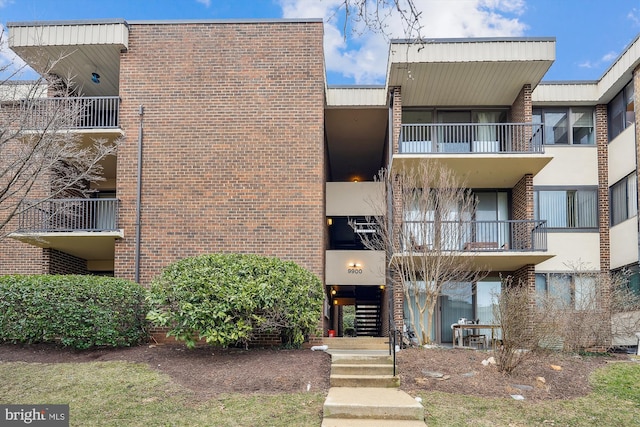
x=492, y=211
x=455, y=134
x=455, y=302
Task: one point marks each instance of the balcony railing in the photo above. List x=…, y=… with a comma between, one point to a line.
x=58, y=215
x=96, y=112
x=486, y=236
x=471, y=138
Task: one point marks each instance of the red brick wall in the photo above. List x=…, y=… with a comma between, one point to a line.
x=521, y=112
x=233, y=143
x=57, y=262
x=397, y=210
x=19, y=258
x=602, y=142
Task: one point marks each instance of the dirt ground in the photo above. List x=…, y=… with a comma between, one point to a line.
x=212, y=371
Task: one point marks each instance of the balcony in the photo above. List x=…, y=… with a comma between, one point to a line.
x=86, y=228
x=487, y=155
x=73, y=113
x=493, y=245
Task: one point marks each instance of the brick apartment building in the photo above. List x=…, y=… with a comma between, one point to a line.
x=233, y=142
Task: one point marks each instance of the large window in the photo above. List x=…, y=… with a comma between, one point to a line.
x=566, y=125
x=630, y=275
x=620, y=111
x=624, y=199
x=576, y=291
x=567, y=208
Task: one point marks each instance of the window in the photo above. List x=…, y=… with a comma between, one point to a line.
x=620, y=111
x=630, y=276
x=624, y=199
x=570, y=208
x=566, y=290
x=566, y=125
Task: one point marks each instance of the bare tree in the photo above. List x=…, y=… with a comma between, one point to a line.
x=379, y=15
x=592, y=309
x=40, y=157
x=579, y=310
x=426, y=240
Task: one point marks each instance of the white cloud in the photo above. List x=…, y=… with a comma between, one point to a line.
x=605, y=59
x=4, y=3
x=634, y=16
x=206, y=3
x=363, y=56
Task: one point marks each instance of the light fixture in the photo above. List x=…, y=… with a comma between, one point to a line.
x=333, y=291
x=329, y=221
x=95, y=77
x=382, y=287
x=354, y=265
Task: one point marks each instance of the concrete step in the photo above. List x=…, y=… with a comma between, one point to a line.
x=359, y=343
x=361, y=369
x=371, y=404
x=383, y=381
x=361, y=359
x=346, y=422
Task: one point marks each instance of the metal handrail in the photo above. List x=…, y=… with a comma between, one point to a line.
x=60, y=215
x=471, y=138
x=486, y=236
x=393, y=336
x=82, y=112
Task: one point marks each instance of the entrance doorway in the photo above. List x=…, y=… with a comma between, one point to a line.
x=357, y=311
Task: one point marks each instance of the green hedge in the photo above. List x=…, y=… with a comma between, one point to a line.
x=76, y=311
x=228, y=299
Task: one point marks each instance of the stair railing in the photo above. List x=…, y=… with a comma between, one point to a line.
x=393, y=335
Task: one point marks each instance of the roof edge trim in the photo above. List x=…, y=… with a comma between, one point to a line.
x=475, y=40
x=226, y=21
x=67, y=22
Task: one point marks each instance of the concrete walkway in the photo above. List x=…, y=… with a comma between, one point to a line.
x=364, y=392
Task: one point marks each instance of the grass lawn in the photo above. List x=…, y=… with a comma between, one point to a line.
x=128, y=394
x=615, y=401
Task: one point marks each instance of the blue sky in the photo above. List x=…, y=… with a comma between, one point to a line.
x=590, y=33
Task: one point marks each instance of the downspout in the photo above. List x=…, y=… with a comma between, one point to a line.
x=139, y=196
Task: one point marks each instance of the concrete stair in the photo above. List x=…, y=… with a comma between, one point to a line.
x=359, y=343
x=364, y=392
x=358, y=369
x=369, y=403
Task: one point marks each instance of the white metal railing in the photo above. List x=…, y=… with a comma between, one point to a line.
x=57, y=215
x=95, y=112
x=472, y=138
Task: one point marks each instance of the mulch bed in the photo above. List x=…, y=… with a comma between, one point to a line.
x=210, y=371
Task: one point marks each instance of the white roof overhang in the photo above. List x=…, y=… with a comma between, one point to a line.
x=467, y=72
x=76, y=49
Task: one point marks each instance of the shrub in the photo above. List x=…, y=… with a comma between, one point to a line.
x=228, y=299
x=76, y=311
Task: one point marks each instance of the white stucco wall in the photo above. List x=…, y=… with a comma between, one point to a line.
x=624, y=243
x=571, y=249
x=355, y=198
x=622, y=155
x=571, y=165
